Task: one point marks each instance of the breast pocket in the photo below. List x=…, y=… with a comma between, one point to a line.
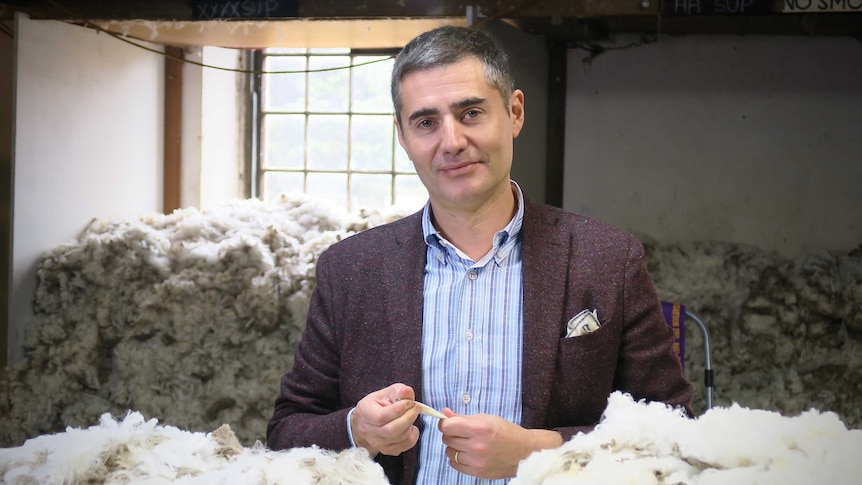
x=584, y=371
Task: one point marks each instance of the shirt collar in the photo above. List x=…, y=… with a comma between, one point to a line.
x=504, y=239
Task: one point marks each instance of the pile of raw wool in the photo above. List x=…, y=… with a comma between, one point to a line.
x=635, y=443
x=137, y=451
x=652, y=444
x=189, y=317
x=786, y=333
x=192, y=318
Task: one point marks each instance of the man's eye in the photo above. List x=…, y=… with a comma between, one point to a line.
x=471, y=113
x=424, y=124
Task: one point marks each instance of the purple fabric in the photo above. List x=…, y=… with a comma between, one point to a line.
x=674, y=316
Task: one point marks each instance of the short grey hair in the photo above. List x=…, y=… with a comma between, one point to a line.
x=447, y=45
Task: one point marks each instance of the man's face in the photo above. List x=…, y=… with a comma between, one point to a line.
x=458, y=133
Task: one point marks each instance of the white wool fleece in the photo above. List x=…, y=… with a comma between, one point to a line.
x=652, y=444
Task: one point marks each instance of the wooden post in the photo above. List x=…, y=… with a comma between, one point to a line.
x=173, y=126
x=557, y=61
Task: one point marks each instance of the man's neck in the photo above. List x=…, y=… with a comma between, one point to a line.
x=473, y=232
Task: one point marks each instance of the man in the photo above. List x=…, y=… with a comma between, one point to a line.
x=466, y=306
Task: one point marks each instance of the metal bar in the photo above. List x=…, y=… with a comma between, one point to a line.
x=708, y=380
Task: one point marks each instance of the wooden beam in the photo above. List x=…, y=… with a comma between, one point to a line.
x=291, y=9
x=249, y=34
x=7, y=177
x=574, y=29
x=173, y=128
x=558, y=19
x=557, y=80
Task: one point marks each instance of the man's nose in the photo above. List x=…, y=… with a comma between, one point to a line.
x=453, y=139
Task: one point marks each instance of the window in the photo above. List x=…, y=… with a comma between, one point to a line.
x=326, y=129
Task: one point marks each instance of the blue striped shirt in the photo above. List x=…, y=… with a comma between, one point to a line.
x=471, y=339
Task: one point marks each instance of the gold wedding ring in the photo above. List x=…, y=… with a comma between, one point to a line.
x=456, y=458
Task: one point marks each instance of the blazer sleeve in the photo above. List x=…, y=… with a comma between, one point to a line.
x=648, y=368
x=308, y=409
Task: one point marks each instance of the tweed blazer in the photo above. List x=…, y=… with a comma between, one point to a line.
x=364, y=331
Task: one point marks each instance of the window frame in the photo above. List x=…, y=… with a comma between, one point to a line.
x=258, y=112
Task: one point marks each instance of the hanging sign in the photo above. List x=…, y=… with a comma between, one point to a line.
x=244, y=9
x=815, y=6
x=711, y=7
x=744, y=7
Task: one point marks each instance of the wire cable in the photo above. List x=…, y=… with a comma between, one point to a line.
x=122, y=38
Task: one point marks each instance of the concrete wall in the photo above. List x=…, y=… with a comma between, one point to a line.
x=751, y=140
x=529, y=63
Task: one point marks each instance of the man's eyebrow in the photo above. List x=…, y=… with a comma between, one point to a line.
x=421, y=113
x=467, y=102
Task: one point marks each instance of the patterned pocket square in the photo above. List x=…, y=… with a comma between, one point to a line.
x=583, y=323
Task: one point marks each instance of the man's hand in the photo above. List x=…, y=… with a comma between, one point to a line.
x=489, y=446
x=382, y=421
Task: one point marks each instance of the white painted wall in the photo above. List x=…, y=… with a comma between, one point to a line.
x=222, y=126
x=192, y=129
x=212, y=127
x=753, y=140
x=88, y=143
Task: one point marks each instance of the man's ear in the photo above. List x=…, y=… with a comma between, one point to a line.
x=516, y=111
x=400, y=136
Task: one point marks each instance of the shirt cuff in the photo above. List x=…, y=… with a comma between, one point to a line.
x=350, y=428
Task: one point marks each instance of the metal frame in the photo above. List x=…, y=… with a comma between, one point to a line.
x=707, y=371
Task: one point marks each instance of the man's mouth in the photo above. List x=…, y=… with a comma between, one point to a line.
x=459, y=168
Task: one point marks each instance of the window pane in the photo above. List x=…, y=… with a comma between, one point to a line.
x=277, y=183
x=328, y=91
x=370, y=191
x=409, y=192
x=330, y=133
x=402, y=162
x=327, y=142
x=371, y=85
x=370, y=142
x=329, y=186
x=284, y=92
x=284, y=139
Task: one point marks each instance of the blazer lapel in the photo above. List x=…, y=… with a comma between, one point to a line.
x=544, y=251
x=405, y=271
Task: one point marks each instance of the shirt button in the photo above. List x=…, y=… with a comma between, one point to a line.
x=499, y=254
x=468, y=335
x=466, y=398
x=472, y=275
